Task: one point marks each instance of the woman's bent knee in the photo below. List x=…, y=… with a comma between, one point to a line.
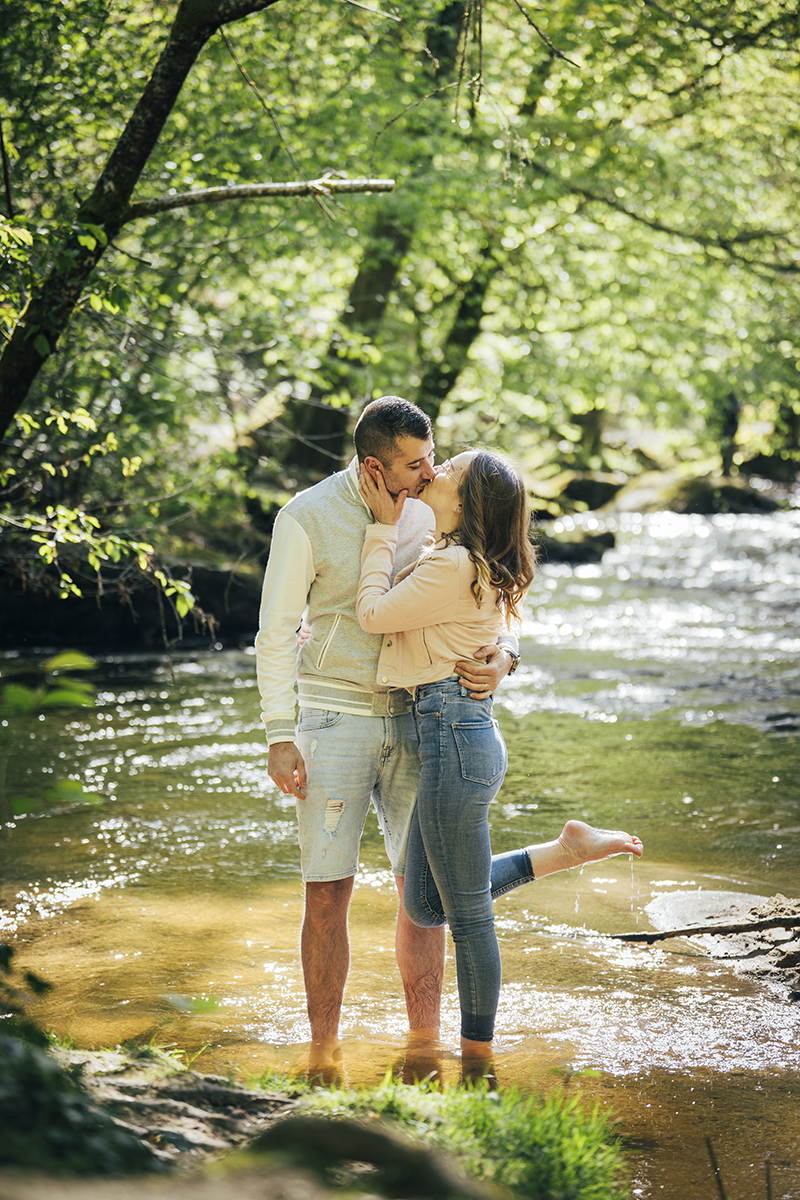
x=420, y=914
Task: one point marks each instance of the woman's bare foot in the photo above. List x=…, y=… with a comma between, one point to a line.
x=586, y=844
x=476, y=1050
x=580, y=843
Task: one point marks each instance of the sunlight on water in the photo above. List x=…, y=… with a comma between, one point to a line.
x=658, y=693
x=691, y=615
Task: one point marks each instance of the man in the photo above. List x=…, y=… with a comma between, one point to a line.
x=355, y=743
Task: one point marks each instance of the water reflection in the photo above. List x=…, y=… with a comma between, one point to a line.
x=643, y=703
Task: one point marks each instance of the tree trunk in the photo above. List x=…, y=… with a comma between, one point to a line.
x=317, y=433
x=313, y=436
x=728, y=429
x=440, y=377
x=52, y=303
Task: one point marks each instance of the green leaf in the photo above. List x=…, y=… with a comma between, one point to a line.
x=61, y=698
x=70, y=660
x=70, y=791
x=84, y=686
x=98, y=232
x=41, y=345
x=23, y=804
x=16, y=698
x=184, y=604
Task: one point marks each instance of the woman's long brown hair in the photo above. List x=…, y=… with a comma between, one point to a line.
x=494, y=530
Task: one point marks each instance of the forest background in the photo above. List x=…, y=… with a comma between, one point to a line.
x=589, y=258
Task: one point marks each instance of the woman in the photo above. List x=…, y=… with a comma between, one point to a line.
x=459, y=595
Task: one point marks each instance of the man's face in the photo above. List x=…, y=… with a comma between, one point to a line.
x=411, y=467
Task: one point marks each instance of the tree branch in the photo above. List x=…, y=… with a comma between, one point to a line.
x=695, y=930
x=247, y=191
x=708, y=241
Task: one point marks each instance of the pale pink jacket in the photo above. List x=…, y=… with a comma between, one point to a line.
x=430, y=618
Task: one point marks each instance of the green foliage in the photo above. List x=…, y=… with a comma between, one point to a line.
x=14, y=1020
x=586, y=256
x=48, y=1121
x=19, y=703
x=547, y=1147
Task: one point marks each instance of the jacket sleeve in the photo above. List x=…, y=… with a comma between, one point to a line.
x=429, y=595
x=287, y=581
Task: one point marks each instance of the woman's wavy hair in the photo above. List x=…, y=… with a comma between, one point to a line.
x=495, y=531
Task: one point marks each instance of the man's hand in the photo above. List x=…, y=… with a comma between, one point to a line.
x=484, y=677
x=287, y=769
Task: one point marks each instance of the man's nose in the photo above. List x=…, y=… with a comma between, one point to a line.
x=428, y=469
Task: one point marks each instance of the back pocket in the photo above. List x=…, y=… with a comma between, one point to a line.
x=481, y=751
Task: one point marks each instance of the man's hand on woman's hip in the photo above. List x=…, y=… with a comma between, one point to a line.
x=483, y=677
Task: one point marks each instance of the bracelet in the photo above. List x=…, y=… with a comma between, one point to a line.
x=515, y=663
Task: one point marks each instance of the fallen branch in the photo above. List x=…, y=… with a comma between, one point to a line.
x=694, y=930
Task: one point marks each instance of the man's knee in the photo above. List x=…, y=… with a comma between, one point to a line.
x=327, y=903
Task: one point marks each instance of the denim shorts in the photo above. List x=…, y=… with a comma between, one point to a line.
x=352, y=763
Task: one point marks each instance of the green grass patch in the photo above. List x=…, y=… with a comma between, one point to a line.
x=546, y=1147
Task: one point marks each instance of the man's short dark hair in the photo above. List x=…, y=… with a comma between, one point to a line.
x=384, y=421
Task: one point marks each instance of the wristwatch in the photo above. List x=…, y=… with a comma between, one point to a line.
x=515, y=663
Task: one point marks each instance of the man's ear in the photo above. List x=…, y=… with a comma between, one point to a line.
x=372, y=466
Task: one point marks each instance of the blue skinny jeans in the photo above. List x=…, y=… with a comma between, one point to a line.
x=451, y=875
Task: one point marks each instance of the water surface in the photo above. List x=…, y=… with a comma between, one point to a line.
x=659, y=692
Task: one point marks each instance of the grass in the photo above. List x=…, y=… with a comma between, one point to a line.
x=546, y=1148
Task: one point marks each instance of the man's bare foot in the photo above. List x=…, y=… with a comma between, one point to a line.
x=325, y=1052
x=325, y=1062
x=423, y=1057
x=479, y=1070
x=580, y=843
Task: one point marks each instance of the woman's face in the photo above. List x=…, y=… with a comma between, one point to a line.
x=442, y=493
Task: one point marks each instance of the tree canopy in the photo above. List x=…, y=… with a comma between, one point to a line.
x=590, y=254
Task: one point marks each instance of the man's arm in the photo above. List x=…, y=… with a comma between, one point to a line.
x=288, y=578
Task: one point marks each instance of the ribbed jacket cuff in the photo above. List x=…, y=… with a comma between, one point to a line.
x=279, y=730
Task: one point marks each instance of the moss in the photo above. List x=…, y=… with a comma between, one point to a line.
x=50, y=1124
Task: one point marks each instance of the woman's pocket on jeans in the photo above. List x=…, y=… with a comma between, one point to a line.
x=481, y=751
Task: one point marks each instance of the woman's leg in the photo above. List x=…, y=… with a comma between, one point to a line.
x=580, y=843
x=451, y=874
x=462, y=765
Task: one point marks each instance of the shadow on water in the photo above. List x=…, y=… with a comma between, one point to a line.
x=171, y=912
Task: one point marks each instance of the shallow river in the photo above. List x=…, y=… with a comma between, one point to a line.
x=659, y=692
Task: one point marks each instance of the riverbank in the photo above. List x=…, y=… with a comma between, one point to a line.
x=218, y=1140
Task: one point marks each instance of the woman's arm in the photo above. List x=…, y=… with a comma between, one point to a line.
x=428, y=596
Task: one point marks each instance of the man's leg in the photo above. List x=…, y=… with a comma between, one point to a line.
x=325, y=951
x=420, y=959
x=340, y=752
